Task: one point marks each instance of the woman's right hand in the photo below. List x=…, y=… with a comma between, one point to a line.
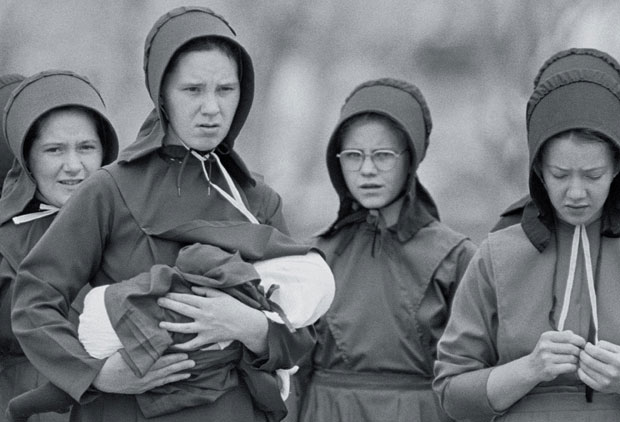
x=556, y=353
x=117, y=377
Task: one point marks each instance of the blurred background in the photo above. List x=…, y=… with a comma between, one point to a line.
x=474, y=60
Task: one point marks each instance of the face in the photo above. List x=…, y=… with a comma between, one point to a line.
x=577, y=173
x=201, y=97
x=66, y=151
x=371, y=187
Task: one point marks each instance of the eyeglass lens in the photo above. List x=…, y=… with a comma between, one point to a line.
x=352, y=160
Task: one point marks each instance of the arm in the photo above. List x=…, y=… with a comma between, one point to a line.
x=50, y=278
x=466, y=351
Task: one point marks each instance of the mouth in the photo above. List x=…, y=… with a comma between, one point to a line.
x=208, y=126
x=70, y=182
x=370, y=186
x=576, y=208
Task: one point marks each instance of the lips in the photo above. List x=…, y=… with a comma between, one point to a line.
x=72, y=182
x=576, y=207
x=370, y=186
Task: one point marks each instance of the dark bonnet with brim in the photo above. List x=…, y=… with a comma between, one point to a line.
x=576, y=99
x=46, y=91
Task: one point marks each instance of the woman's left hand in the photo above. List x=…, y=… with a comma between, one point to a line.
x=218, y=317
x=599, y=366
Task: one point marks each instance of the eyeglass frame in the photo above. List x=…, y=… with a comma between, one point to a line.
x=371, y=155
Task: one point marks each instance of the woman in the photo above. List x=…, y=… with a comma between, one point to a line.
x=573, y=58
x=182, y=170
x=7, y=83
x=396, y=266
x=56, y=126
x=534, y=333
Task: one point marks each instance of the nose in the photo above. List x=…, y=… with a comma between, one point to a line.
x=209, y=104
x=73, y=162
x=576, y=189
x=368, y=166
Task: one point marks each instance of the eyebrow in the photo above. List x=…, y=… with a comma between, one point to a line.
x=603, y=167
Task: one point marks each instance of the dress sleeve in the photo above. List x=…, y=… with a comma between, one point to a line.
x=52, y=275
x=7, y=275
x=284, y=349
x=446, y=279
x=466, y=353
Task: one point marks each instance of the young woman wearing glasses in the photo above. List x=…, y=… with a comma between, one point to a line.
x=396, y=266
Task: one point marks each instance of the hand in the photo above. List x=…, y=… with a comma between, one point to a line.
x=556, y=353
x=217, y=317
x=599, y=366
x=117, y=377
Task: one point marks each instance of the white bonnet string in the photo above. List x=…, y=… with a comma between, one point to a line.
x=580, y=233
x=44, y=211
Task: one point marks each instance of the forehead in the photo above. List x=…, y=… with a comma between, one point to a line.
x=375, y=133
x=576, y=150
x=204, y=63
x=65, y=122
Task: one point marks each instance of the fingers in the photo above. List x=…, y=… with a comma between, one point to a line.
x=169, y=360
x=610, y=347
x=207, y=291
x=180, y=327
x=598, y=362
x=601, y=355
x=186, y=298
x=565, y=337
x=170, y=379
x=588, y=380
x=184, y=304
x=193, y=344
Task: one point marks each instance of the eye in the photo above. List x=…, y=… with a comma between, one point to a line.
x=90, y=146
x=594, y=176
x=192, y=89
x=52, y=149
x=558, y=176
x=350, y=155
x=225, y=89
x=383, y=155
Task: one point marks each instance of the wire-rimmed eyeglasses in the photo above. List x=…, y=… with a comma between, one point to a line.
x=383, y=159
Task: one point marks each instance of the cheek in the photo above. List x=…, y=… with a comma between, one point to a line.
x=349, y=179
x=43, y=169
x=93, y=162
x=398, y=178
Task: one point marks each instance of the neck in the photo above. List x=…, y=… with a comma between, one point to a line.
x=391, y=212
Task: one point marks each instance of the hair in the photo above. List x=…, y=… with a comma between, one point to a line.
x=35, y=129
x=583, y=134
x=371, y=117
x=207, y=43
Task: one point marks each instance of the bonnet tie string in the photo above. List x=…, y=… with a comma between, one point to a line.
x=580, y=233
x=234, y=200
x=44, y=211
